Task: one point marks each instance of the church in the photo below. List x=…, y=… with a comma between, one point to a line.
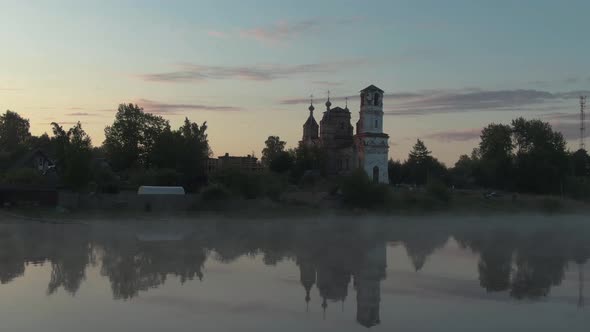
x=345, y=151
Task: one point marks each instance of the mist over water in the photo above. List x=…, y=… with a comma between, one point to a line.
x=344, y=274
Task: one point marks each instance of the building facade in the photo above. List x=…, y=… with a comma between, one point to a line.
x=345, y=151
x=241, y=163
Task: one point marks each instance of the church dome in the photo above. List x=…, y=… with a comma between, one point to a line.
x=311, y=108
x=328, y=103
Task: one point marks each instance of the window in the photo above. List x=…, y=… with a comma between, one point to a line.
x=347, y=166
x=376, y=124
x=376, y=99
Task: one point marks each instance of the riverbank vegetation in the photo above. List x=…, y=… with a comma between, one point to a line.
x=526, y=158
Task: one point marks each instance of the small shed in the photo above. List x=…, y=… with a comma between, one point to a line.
x=160, y=190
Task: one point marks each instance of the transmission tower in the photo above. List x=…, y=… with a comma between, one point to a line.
x=582, y=122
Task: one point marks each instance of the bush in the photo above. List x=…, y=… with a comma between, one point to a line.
x=215, y=193
x=23, y=176
x=156, y=177
x=358, y=191
x=438, y=190
x=551, y=205
x=577, y=187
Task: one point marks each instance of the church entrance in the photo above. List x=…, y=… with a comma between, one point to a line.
x=376, y=174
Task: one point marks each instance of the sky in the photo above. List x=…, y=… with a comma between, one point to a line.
x=248, y=68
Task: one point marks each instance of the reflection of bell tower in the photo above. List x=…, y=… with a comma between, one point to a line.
x=368, y=286
x=307, y=278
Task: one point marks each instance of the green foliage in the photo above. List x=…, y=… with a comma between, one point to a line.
x=395, y=171
x=580, y=163
x=540, y=155
x=306, y=159
x=185, y=150
x=421, y=166
x=577, y=187
x=438, y=190
x=14, y=131
x=358, y=191
x=282, y=162
x=251, y=185
x=106, y=180
x=23, y=176
x=495, y=156
x=273, y=148
x=215, y=193
x=155, y=177
x=132, y=136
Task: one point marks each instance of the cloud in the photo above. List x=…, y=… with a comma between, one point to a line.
x=327, y=83
x=284, y=30
x=196, y=73
x=455, y=135
x=155, y=107
x=298, y=101
x=79, y=114
x=442, y=102
x=217, y=34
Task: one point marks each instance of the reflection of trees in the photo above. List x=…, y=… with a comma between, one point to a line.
x=526, y=264
x=133, y=266
x=541, y=260
x=12, y=263
x=69, y=257
x=420, y=244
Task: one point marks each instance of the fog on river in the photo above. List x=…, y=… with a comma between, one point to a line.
x=343, y=274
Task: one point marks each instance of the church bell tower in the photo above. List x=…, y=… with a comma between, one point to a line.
x=372, y=145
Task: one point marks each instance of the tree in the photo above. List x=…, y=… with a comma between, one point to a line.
x=132, y=136
x=14, y=131
x=273, y=147
x=421, y=166
x=395, y=171
x=541, y=158
x=185, y=150
x=74, y=155
x=580, y=163
x=282, y=162
x=495, y=151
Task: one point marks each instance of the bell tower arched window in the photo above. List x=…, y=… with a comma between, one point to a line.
x=376, y=99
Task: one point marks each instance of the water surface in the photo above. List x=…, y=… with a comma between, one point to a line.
x=309, y=275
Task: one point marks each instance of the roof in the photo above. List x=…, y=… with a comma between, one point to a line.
x=160, y=190
x=22, y=161
x=310, y=121
x=338, y=109
x=372, y=88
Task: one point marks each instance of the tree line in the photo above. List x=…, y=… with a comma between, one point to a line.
x=139, y=148
x=526, y=156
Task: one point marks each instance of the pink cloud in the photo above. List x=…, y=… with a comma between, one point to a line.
x=216, y=34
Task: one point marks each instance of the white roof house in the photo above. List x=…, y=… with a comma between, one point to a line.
x=160, y=190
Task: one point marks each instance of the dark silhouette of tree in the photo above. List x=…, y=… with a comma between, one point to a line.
x=421, y=166
x=132, y=136
x=580, y=163
x=14, y=131
x=540, y=155
x=273, y=147
x=73, y=152
x=394, y=170
x=495, y=153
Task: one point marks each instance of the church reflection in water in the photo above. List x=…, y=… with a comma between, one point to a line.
x=333, y=258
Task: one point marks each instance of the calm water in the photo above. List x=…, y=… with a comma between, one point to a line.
x=438, y=275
